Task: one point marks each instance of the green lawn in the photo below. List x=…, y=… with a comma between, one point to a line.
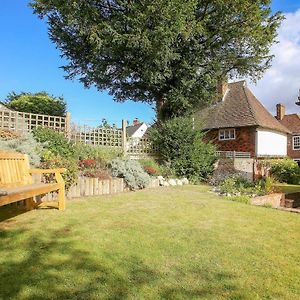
x=168, y=243
x=287, y=188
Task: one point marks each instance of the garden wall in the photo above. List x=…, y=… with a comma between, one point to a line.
x=242, y=165
x=86, y=186
x=251, y=169
x=274, y=200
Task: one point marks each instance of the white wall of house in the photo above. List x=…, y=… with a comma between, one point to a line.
x=141, y=131
x=270, y=143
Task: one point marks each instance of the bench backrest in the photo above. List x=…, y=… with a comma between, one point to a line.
x=14, y=169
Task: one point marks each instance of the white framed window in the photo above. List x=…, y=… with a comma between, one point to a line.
x=226, y=134
x=296, y=142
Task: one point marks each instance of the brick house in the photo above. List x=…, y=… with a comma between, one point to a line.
x=239, y=122
x=292, y=122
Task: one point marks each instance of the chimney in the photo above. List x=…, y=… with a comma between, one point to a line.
x=280, y=111
x=136, y=121
x=298, y=102
x=222, y=88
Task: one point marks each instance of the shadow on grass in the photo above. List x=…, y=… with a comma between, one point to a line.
x=10, y=211
x=53, y=268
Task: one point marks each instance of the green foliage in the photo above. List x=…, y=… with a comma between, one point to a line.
x=285, y=170
x=131, y=171
x=26, y=145
x=242, y=199
x=38, y=103
x=168, y=52
x=238, y=185
x=54, y=142
x=50, y=161
x=99, y=153
x=183, y=150
x=151, y=166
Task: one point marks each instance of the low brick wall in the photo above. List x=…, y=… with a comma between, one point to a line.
x=275, y=200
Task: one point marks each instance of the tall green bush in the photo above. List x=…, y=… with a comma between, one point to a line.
x=183, y=149
x=284, y=170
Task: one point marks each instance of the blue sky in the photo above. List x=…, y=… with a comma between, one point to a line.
x=29, y=62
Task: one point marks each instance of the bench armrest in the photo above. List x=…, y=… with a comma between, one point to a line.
x=46, y=171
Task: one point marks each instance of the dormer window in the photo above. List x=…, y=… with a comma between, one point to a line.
x=226, y=134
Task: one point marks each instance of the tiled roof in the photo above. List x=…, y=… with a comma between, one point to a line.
x=239, y=108
x=292, y=122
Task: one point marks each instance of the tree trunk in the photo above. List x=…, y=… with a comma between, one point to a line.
x=159, y=109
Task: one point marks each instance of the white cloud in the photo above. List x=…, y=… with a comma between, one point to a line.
x=281, y=82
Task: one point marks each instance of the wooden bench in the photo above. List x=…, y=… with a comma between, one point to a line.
x=16, y=182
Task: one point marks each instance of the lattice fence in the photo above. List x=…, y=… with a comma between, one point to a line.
x=137, y=147
x=96, y=136
x=21, y=122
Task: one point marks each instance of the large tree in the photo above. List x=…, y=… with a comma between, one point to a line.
x=38, y=103
x=167, y=52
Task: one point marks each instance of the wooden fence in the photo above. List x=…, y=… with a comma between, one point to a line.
x=21, y=123
x=233, y=154
x=140, y=147
x=97, y=136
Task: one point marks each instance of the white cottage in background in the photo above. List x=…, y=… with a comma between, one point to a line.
x=135, y=133
x=137, y=129
x=239, y=122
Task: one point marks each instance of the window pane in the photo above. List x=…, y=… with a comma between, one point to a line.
x=221, y=134
x=296, y=142
x=227, y=134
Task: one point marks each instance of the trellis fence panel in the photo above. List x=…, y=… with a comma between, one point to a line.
x=140, y=147
x=20, y=123
x=96, y=136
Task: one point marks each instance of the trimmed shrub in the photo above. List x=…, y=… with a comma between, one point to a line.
x=132, y=172
x=26, y=145
x=38, y=103
x=284, y=170
x=183, y=149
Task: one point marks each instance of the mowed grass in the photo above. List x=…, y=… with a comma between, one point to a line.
x=168, y=243
x=287, y=188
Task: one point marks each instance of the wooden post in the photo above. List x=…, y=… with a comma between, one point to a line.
x=124, y=137
x=68, y=126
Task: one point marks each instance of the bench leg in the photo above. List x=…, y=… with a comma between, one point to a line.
x=30, y=204
x=61, y=198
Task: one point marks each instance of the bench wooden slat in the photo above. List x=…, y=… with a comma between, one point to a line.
x=28, y=191
x=16, y=180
